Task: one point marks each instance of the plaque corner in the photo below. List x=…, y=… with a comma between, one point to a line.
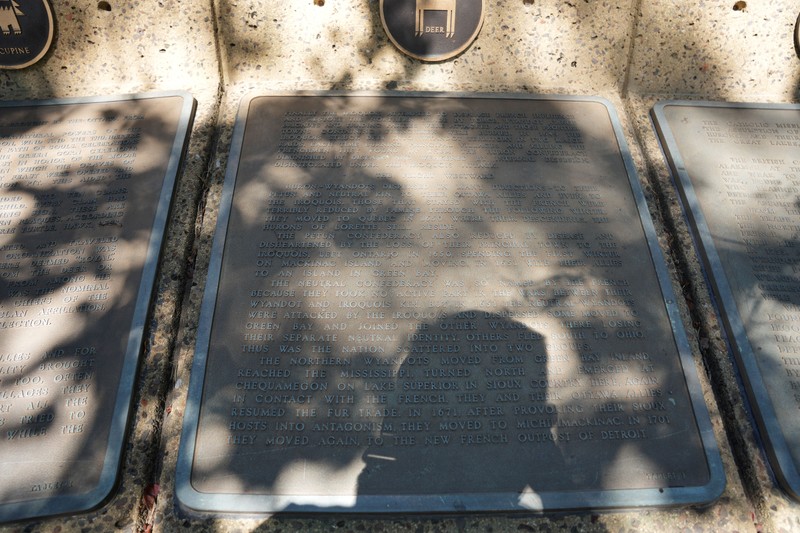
x=717, y=482
x=187, y=498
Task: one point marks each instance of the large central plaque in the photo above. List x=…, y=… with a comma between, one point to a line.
x=738, y=171
x=438, y=303
x=85, y=188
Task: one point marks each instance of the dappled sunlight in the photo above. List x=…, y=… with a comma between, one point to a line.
x=550, y=306
x=83, y=197
x=570, y=43
x=739, y=177
x=343, y=45
x=528, y=499
x=631, y=457
x=318, y=478
x=716, y=52
x=291, y=26
x=415, y=285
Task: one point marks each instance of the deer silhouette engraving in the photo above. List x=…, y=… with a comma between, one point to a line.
x=9, y=11
x=436, y=5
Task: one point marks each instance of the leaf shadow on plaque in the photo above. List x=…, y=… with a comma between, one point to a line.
x=70, y=281
x=748, y=200
x=381, y=324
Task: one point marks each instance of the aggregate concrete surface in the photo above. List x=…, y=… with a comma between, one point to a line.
x=631, y=52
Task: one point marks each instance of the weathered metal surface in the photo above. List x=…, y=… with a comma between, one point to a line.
x=85, y=188
x=438, y=304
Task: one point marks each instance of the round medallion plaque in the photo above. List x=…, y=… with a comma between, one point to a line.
x=26, y=31
x=432, y=30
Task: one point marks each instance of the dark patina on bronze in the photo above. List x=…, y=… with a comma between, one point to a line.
x=26, y=32
x=85, y=189
x=432, y=30
x=737, y=169
x=438, y=303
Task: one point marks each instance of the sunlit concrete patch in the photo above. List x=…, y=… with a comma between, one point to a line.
x=581, y=46
x=714, y=50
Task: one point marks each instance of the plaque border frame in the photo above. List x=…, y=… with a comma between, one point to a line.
x=119, y=426
x=775, y=445
x=191, y=502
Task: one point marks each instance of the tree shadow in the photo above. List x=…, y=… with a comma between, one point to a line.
x=331, y=303
x=742, y=202
x=81, y=194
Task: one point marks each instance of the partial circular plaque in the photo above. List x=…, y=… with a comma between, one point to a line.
x=432, y=30
x=26, y=31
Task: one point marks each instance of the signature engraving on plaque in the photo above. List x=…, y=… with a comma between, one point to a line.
x=436, y=5
x=9, y=11
x=677, y=475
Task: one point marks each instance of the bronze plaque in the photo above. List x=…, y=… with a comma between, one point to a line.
x=26, y=32
x=432, y=30
x=438, y=303
x=85, y=188
x=738, y=171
